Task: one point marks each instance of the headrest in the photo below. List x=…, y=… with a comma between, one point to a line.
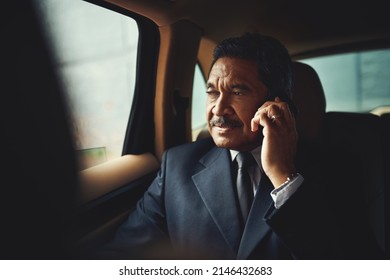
x=308, y=96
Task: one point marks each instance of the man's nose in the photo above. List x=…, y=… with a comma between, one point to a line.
x=222, y=105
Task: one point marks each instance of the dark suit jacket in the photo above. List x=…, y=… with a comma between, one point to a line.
x=190, y=211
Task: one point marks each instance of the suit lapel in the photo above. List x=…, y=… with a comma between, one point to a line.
x=256, y=228
x=214, y=184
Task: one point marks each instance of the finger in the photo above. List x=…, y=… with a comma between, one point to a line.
x=265, y=115
x=261, y=118
x=274, y=114
x=256, y=120
x=287, y=117
x=274, y=117
x=274, y=111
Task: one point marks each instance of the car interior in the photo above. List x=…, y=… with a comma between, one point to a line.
x=53, y=208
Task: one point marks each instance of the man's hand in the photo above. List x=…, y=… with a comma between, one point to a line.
x=280, y=140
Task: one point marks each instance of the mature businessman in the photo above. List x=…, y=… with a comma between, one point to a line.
x=202, y=204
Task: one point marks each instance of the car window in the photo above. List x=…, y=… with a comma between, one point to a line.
x=95, y=52
x=355, y=82
x=198, y=117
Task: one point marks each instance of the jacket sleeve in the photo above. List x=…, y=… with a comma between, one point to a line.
x=143, y=235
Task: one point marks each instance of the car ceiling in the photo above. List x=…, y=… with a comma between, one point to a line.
x=303, y=26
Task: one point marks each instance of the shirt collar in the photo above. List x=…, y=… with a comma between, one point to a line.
x=255, y=152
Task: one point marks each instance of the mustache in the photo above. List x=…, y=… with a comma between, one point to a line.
x=218, y=121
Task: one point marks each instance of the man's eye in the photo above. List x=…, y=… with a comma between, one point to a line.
x=212, y=92
x=236, y=92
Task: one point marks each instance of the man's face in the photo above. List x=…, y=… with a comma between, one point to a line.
x=234, y=92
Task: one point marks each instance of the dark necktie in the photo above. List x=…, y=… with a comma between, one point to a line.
x=244, y=183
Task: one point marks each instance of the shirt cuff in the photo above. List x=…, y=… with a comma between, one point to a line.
x=282, y=194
